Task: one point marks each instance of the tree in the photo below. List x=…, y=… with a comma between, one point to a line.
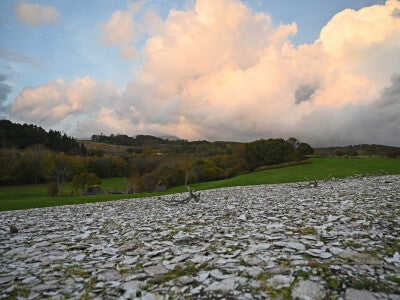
x=53, y=189
x=79, y=182
x=134, y=184
x=60, y=175
x=149, y=182
x=268, y=152
x=351, y=152
x=339, y=152
x=36, y=164
x=24, y=136
x=9, y=166
x=293, y=141
x=77, y=164
x=304, y=149
x=172, y=176
x=92, y=179
x=84, y=180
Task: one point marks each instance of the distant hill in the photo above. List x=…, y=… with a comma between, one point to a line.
x=359, y=150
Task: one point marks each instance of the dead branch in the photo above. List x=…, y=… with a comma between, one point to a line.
x=192, y=195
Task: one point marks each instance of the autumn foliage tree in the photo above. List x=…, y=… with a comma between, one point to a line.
x=84, y=180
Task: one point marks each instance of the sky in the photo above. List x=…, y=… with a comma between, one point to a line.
x=326, y=72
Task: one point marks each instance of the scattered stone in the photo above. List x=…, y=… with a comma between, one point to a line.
x=306, y=290
x=361, y=258
x=318, y=253
x=296, y=246
x=128, y=246
x=352, y=294
x=242, y=217
x=203, y=276
x=280, y=281
x=109, y=275
x=254, y=271
x=234, y=241
x=156, y=270
x=6, y=279
x=394, y=259
x=225, y=285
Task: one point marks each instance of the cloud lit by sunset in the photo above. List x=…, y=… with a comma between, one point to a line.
x=216, y=70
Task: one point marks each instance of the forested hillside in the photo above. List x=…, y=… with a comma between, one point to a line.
x=24, y=136
x=29, y=154
x=360, y=150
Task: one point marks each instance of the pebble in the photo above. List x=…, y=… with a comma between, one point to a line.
x=236, y=243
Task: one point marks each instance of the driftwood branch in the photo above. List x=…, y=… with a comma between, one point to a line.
x=192, y=195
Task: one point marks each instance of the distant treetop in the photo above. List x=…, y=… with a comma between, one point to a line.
x=27, y=135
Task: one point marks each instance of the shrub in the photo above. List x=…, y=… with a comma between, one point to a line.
x=53, y=189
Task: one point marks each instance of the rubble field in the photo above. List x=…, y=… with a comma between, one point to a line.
x=335, y=239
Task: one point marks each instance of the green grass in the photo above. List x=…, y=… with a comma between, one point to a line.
x=317, y=169
x=34, y=196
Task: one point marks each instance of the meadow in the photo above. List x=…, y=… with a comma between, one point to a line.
x=35, y=196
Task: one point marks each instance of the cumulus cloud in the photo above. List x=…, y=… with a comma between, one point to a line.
x=57, y=100
x=219, y=70
x=33, y=14
x=121, y=29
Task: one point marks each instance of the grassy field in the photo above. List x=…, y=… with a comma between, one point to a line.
x=35, y=196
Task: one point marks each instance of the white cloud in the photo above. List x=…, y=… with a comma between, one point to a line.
x=59, y=99
x=121, y=29
x=33, y=14
x=225, y=72
x=221, y=71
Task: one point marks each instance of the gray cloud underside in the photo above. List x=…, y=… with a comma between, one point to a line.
x=17, y=57
x=5, y=89
x=377, y=122
x=304, y=93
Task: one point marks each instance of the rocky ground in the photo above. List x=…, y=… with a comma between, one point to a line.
x=340, y=239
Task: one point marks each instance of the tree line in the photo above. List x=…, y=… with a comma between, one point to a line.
x=360, y=150
x=177, y=146
x=22, y=136
x=143, y=171
x=152, y=161
x=29, y=154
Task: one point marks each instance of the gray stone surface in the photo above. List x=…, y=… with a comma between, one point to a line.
x=337, y=241
x=308, y=290
x=352, y=294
